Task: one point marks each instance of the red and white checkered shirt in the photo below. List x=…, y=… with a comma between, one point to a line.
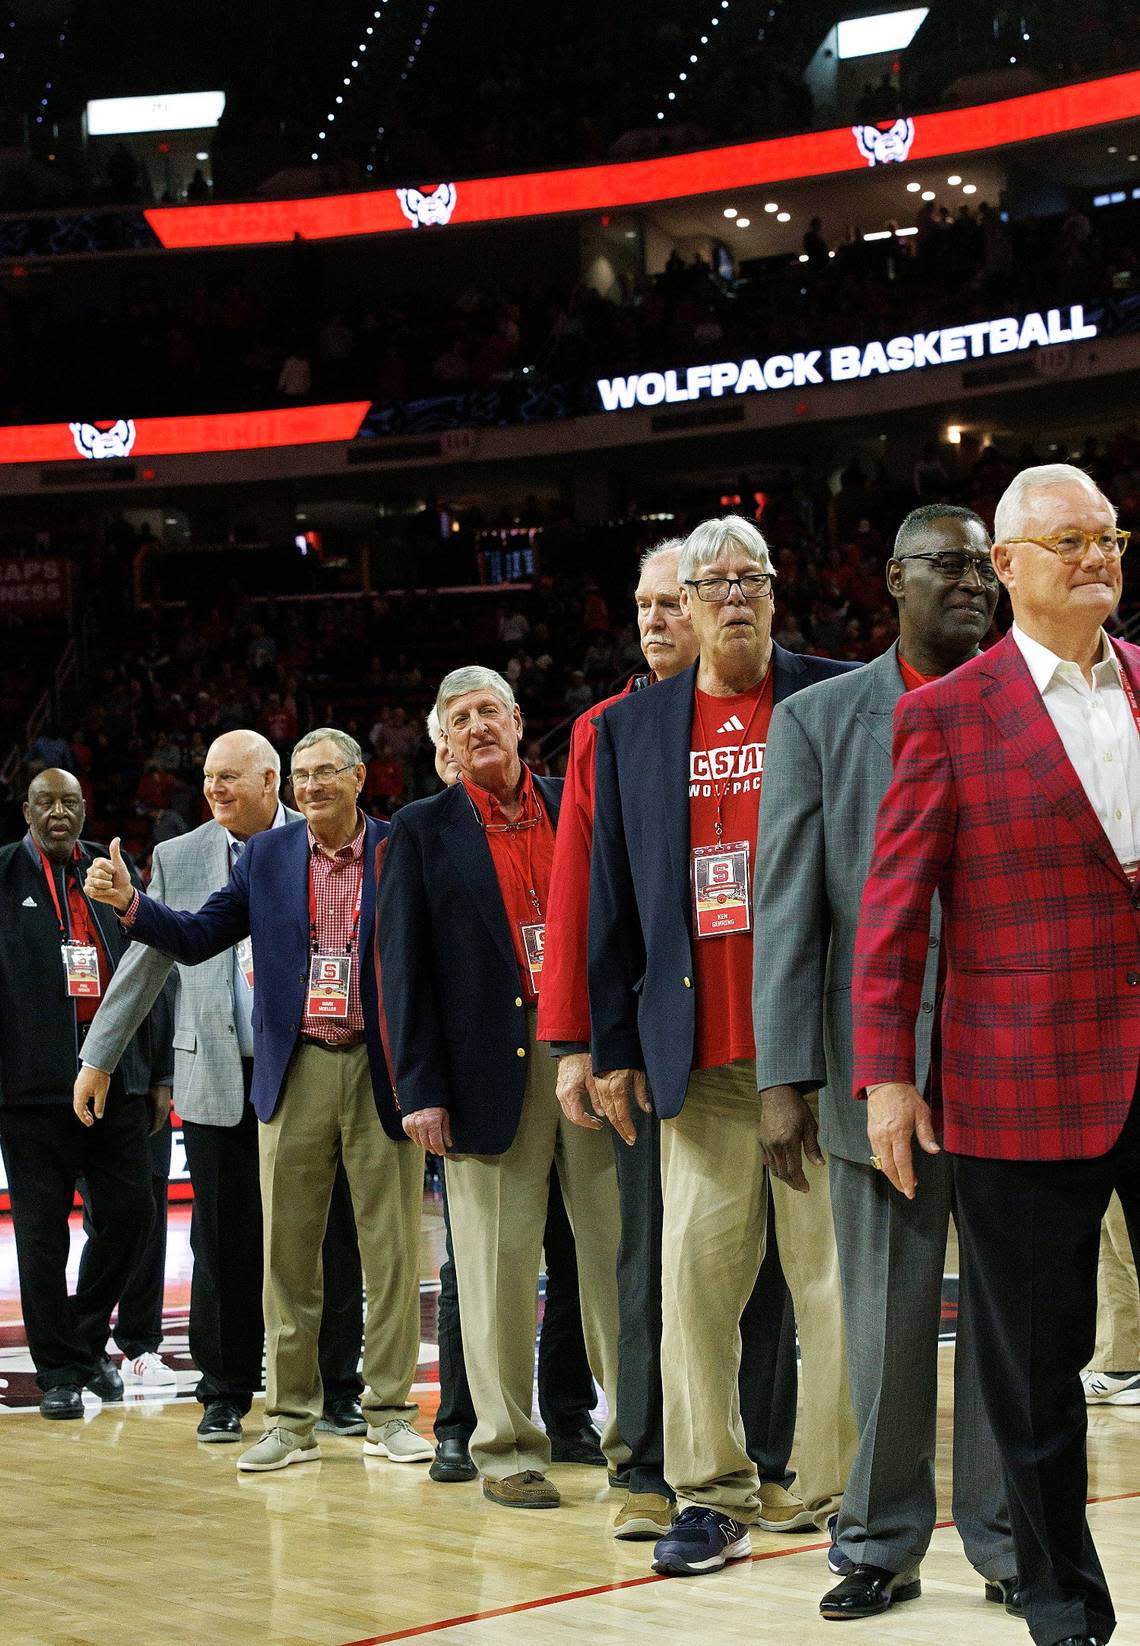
x=337, y=883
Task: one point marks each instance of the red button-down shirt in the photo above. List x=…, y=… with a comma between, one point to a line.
x=523, y=855
x=337, y=884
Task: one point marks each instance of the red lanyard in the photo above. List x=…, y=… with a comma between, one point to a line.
x=352, y=936
x=50, y=878
x=720, y=790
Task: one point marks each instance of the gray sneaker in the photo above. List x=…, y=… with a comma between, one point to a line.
x=277, y=1448
x=398, y=1441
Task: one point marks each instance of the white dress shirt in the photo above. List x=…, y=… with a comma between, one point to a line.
x=1098, y=733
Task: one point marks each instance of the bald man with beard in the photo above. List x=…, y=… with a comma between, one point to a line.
x=213, y=1067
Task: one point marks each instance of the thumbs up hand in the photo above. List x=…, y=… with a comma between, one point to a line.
x=108, y=881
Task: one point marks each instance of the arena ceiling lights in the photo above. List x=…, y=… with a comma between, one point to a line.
x=180, y=111
x=885, y=32
x=1051, y=113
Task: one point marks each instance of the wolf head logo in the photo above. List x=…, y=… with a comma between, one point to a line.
x=885, y=141
x=104, y=439
x=423, y=207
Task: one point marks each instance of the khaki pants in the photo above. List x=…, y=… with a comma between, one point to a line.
x=1117, y=1299
x=327, y=1109
x=497, y=1205
x=715, y=1187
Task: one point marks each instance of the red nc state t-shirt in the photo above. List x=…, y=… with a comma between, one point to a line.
x=726, y=758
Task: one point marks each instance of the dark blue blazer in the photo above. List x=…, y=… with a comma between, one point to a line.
x=640, y=948
x=456, y=1020
x=267, y=897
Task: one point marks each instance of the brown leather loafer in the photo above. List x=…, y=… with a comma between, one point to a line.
x=528, y=1490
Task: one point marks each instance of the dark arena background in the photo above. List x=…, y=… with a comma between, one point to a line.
x=342, y=347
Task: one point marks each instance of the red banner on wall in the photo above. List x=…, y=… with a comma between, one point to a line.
x=37, y=586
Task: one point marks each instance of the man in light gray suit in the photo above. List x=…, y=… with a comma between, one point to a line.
x=827, y=767
x=213, y=1063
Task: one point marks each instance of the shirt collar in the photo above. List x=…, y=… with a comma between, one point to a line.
x=1044, y=664
x=346, y=854
x=487, y=808
x=278, y=820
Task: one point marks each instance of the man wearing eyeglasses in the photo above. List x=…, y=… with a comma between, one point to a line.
x=678, y=778
x=1016, y=798
x=829, y=756
x=305, y=894
x=462, y=923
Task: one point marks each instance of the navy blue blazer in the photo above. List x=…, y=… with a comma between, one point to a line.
x=640, y=949
x=457, y=1023
x=267, y=897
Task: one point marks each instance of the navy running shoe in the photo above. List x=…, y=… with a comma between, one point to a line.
x=700, y=1540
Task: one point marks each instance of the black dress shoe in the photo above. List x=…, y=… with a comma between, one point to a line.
x=452, y=1462
x=221, y=1421
x=343, y=1417
x=1081, y=1640
x=582, y=1445
x=868, y=1590
x=64, y=1400
x=1004, y=1591
x=106, y=1382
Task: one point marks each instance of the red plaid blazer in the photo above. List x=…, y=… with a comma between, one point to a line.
x=1040, y=1024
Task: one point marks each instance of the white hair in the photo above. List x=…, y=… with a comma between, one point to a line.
x=473, y=678
x=671, y=545
x=707, y=542
x=434, y=729
x=1016, y=502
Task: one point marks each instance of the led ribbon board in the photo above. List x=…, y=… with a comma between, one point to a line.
x=168, y=436
x=644, y=182
x=843, y=364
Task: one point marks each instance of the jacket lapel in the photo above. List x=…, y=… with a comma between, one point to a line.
x=466, y=845
x=672, y=701
x=884, y=688
x=1018, y=712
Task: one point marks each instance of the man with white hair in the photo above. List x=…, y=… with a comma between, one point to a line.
x=1016, y=798
x=678, y=778
x=463, y=901
x=213, y=1070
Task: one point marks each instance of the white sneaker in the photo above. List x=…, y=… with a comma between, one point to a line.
x=276, y=1449
x=149, y=1369
x=398, y=1441
x=1111, y=1389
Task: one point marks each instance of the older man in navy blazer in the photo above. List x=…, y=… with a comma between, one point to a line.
x=678, y=780
x=461, y=930
x=306, y=895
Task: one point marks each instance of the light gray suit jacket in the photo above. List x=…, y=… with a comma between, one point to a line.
x=826, y=768
x=208, y=1085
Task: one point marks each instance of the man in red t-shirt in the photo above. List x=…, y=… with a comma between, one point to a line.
x=678, y=778
x=830, y=752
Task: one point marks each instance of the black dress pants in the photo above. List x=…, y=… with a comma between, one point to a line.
x=138, y=1327
x=227, y=1328
x=768, y=1374
x=46, y=1151
x=1030, y=1233
x=566, y=1391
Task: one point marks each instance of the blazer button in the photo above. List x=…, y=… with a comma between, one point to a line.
x=518, y=1000
x=292, y=1028
x=928, y=1005
x=933, y=942
x=521, y=1052
x=688, y=982
x=1133, y=979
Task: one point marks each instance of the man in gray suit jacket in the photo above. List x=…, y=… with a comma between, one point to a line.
x=213, y=1063
x=828, y=765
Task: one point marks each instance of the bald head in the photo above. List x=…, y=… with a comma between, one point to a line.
x=240, y=780
x=54, y=812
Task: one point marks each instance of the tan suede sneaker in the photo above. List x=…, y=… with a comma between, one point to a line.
x=643, y=1515
x=528, y=1490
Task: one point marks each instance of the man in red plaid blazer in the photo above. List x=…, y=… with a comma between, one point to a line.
x=1016, y=797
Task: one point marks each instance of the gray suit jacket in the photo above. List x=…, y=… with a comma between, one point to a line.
x=826, y=769
x=208, y=1085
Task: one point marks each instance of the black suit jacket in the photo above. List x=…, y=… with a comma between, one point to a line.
x=39, y=1039
x=640, y=949
x=456, y=1020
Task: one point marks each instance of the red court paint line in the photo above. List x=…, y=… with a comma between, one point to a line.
x=611, y=1588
